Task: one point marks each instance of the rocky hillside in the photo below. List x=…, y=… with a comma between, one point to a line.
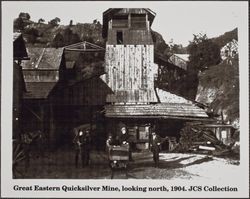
x=222, y=40
x=219, y=85
x=55, y=35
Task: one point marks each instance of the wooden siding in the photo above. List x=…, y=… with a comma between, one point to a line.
x=130, y=74
x=39, y=90
x=41, y=75
x=91, y=92
x=112, y=13
x=131, y=37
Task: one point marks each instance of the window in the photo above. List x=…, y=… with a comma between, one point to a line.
x=138, y=21
x=120, y=21
x=119, y=37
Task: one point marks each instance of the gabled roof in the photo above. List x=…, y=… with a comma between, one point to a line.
x=84, y=47
x=108, y=14
x=73, y=51
x=85, y=58
x=43, y=58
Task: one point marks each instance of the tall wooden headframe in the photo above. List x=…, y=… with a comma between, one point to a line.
x=129, y=59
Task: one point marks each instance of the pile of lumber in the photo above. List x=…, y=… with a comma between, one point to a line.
x=196, y=139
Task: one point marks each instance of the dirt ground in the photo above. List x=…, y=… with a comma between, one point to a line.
x=60, y=165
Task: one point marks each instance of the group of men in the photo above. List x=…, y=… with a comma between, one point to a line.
x=123, y=138
x=82, y=141
x=155, y=144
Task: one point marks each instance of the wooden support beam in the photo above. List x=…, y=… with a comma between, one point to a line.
x=85, y=50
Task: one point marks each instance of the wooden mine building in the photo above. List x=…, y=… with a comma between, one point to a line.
x=63, y=90
x=108, y=88
x=131, y=71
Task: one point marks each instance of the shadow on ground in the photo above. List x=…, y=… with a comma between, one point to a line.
x=60, y=165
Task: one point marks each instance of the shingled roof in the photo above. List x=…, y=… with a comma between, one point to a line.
x=170, y=106
x=160, y=110
x=43, y=58
x=41, y=72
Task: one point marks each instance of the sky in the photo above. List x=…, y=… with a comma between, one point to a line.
x=174, y=20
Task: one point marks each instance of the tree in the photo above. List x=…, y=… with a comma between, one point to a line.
x=24, y=16
x=41, y=21
x=65, y=37
x=32, y=35
x=177, y=49
x=55, y=21
x=203, y=52
x=58, y=41
x=18, y=24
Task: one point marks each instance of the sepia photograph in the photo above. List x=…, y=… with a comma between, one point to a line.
x=113, y=91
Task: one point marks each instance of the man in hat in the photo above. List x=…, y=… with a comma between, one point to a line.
x=86, y=147
x=83, y=144
x=155, y=148
x=125, y=139
x=78, y=141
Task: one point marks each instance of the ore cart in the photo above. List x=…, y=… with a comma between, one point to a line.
x=118, y=158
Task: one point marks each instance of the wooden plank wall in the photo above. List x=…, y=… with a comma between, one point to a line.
x=130, y=74
x=130, y=36
x=34, y=75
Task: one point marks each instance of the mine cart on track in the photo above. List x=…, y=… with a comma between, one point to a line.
x=118, y=158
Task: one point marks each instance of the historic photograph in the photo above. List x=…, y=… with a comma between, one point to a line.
x=126, y=93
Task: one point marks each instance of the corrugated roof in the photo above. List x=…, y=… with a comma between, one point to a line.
x=43, y=58
x=185, y=57
x=160, y=110
x=38, y=90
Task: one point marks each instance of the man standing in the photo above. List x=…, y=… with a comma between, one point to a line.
x=125, y=139
x=86, y=147
x=155, y=148
x=83, y=144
